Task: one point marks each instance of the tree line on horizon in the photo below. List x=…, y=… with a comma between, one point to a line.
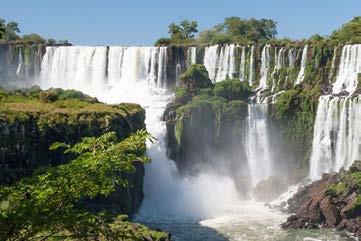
x=9, y=31
x=244, y=31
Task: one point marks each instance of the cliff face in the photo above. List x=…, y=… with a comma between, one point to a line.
x=28, y=127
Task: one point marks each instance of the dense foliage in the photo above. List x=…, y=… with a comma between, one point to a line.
x=46, y=204
x=9, y=31
x=179, y=33
x=238, y=30
x=349, y=33
x=195, y=77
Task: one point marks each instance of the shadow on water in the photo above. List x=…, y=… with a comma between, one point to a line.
x=186, y=230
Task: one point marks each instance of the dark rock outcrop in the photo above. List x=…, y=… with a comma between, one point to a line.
x=334, y=201
x=269, y=189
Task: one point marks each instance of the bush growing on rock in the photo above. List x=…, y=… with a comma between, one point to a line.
x=196, y=77
x=232, y=89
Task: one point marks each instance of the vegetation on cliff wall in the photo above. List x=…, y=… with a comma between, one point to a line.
x=31, y=120
x=46, y=205
x=205, y=122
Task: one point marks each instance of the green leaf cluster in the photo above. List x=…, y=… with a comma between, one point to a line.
x=45, y=205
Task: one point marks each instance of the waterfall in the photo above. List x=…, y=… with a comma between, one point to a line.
x=251, y=67
x=220, y=62
x=257, y=143
x=349, y=69
x=279, y=63
x=92, y=69
x=337, y=134
x=20, y=65
x=242, y=67
x=301, y=74
x=138, y=75
x=291, y=57
x=192, y=55
x=265, y=64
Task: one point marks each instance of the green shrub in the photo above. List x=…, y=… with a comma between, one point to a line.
x=48, y=96
x=232, y=89
x=196, y=77
x=163, y=42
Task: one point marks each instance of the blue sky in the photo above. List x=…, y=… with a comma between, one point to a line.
x=136, y=22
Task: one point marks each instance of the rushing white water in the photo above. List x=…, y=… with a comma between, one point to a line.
x=337, y=134
x=279, y=63
x=349, y=69
x=242, y=66
x=265, y=65
x=220, y=62
x=192, y=55
x=251, y=67
x=292, y=57
x=301, y=74
x=257, y=144
x=93, y=69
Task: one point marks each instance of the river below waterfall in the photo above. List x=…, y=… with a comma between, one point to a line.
x=248, y=221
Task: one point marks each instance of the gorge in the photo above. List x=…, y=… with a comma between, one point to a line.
x=299, y=118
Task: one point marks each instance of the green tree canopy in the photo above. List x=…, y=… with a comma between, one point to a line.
x=184, y=30
x=349, y=32
x=46, y=205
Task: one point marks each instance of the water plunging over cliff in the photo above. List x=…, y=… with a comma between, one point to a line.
x=257, y=144
x=301, y=74
x=220, y=62
x=337, y=132
x=349, y=69
x=265, y=64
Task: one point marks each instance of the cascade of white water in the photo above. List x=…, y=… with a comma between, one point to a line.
x=251, y=67
x=279, y=63
x=242, y=67
x=20, y=64
x=220, y=62
x=301, y=74
x=265, y=64
x=292, y=57
x=192, y=55
x=84, y=67
x=211, y=61
x=257, y=144
x=337, y=134
x=349, y=69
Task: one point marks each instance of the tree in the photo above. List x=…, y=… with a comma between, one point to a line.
x=184, y=30
x=163, y=42
x=33, y=37
x=11, y=30
x=46, y=205
x=2, y=30
x=349, y=32
x=253, y=29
